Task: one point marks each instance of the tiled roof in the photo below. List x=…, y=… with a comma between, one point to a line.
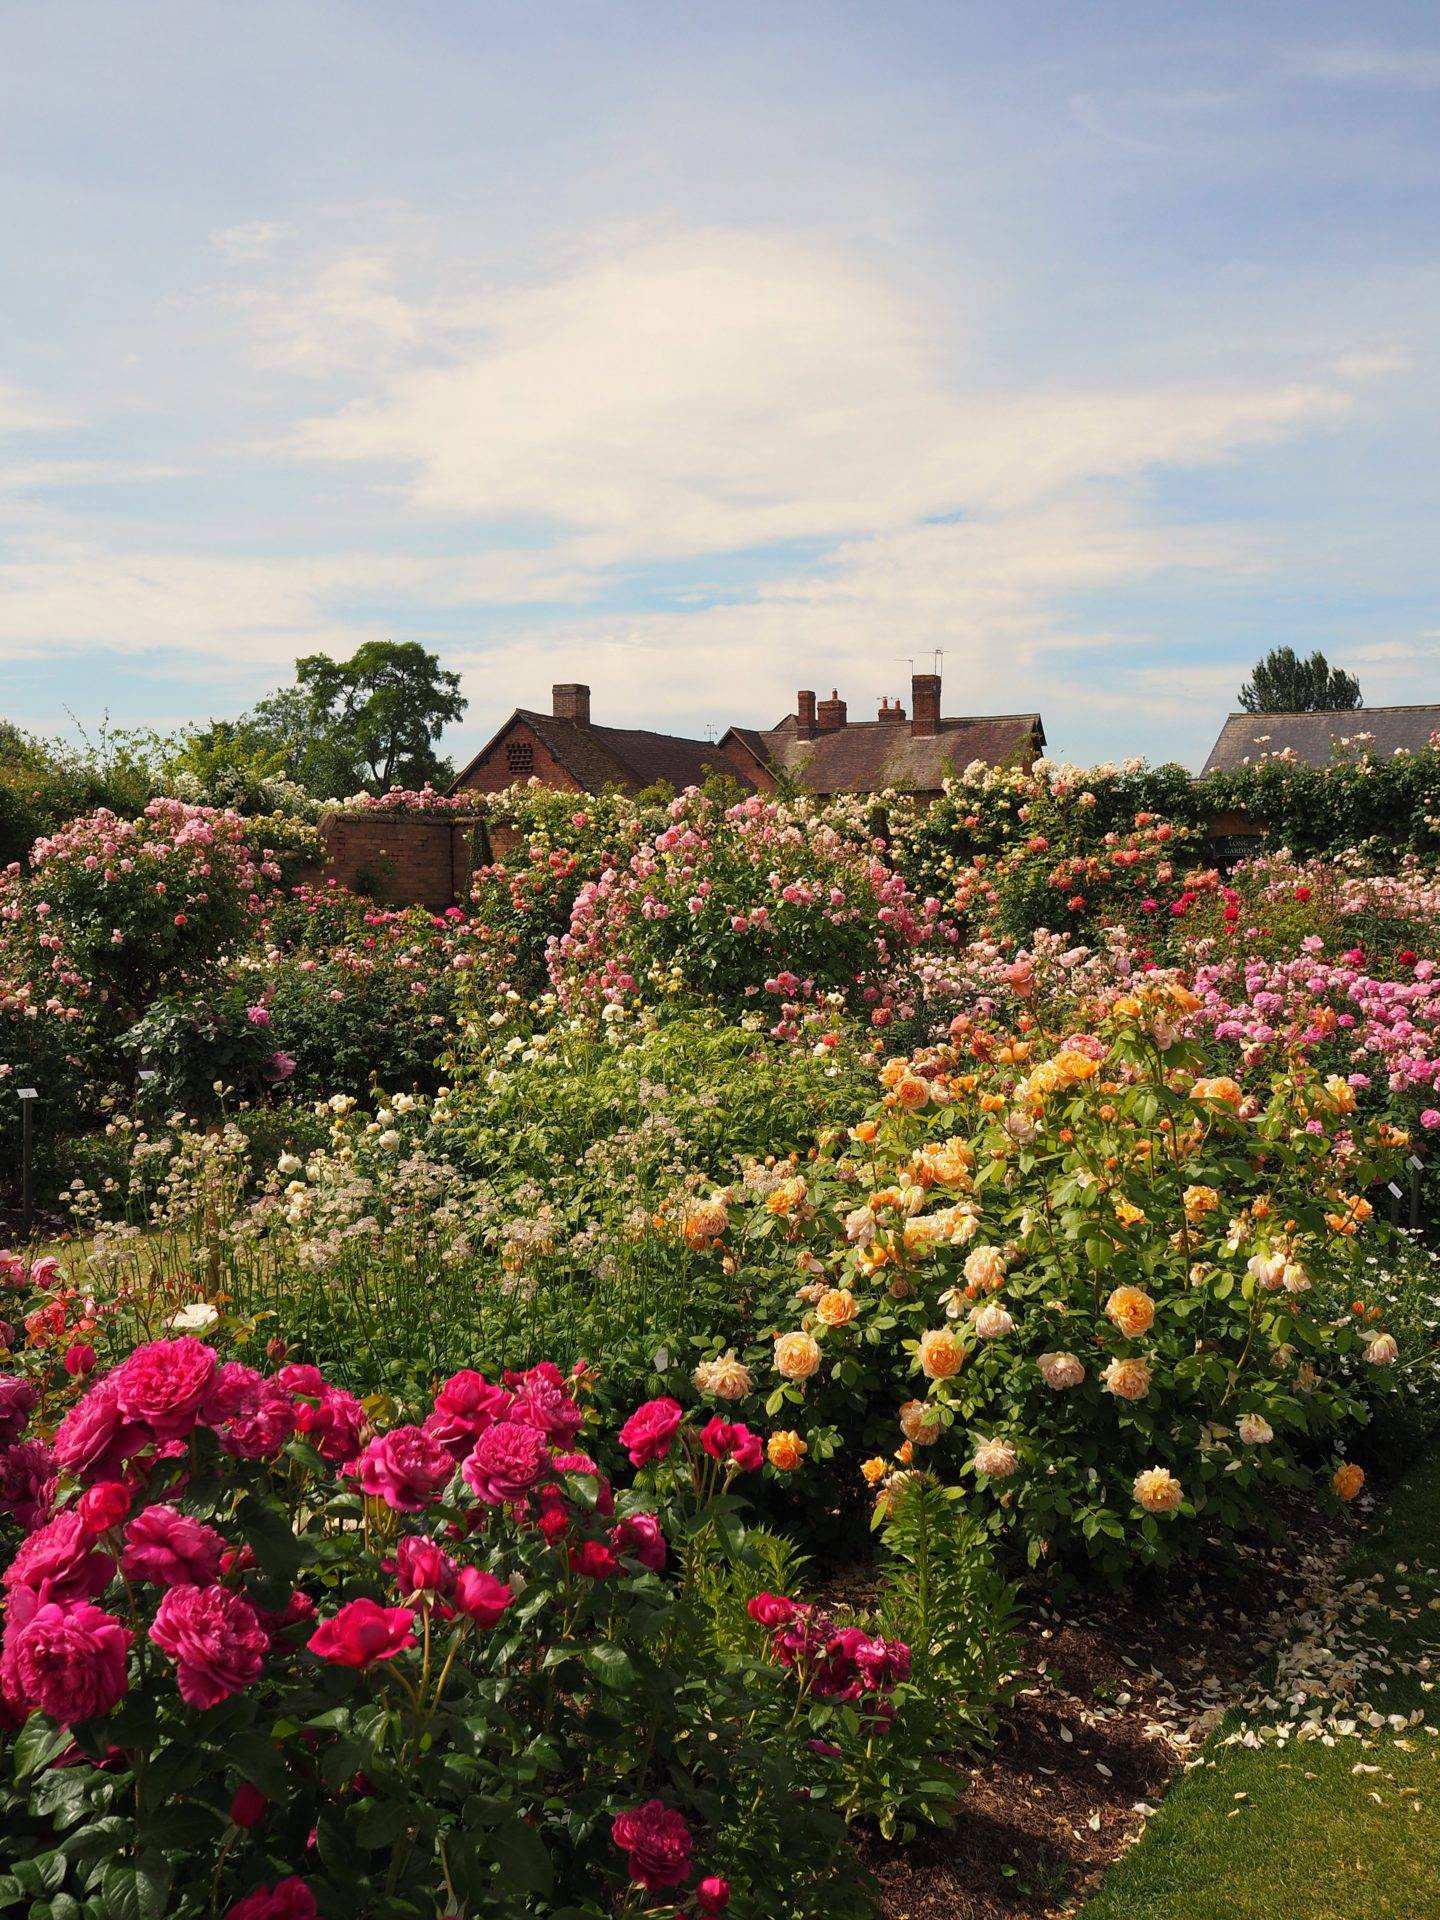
x=1316, y=738
x=625, y=757
x=868, y=756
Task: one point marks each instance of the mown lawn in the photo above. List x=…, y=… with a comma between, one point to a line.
x=1297, y=1833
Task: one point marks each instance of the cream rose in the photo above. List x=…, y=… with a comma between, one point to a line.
x=797, y=1355
x=1060, y=1370
x=1157, y=1490
x=1127, y=1379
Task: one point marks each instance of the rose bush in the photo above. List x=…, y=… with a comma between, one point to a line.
x=1089, y=1272
x=261, y=1655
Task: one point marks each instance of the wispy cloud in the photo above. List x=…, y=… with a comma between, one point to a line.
x=1369, y=64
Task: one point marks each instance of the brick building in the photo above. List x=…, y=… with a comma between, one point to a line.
x=818, y=747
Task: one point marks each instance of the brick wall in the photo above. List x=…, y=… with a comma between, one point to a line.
x=401, y=859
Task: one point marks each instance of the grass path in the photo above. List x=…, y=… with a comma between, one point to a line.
x=1306, y=1831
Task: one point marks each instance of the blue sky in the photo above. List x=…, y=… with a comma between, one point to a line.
x=703, y=352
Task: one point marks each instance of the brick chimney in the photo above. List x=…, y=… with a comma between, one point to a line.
x=805, y=714
x=925, y=704
x=830, y=714
x=571, y=701
x=889, y=715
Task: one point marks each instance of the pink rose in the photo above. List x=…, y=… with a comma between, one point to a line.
x=59, y=1562
x=362, y=1633
x=405, y=1468
x=161, y=1386
x=94, y=1438
x=287, y=1900
x=215, y=1639
x=171, y=1549
x=27, y=1483
x=648, y=1433
x=656, y=1842
x=771, y=1610
x=546, y=1404
x=712, y=1896
x=1430, y=1118
x=69, y=1660
x=639, y=1535
x=422, y=1566
x=506, y=1463
x=480, y=1596
x=334, y=1424
x=17, y=1402
x=464, y=1407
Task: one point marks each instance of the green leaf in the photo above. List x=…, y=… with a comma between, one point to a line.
x=610, y=1664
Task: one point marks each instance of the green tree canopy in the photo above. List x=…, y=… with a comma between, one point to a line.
x=1284, y=683
x=387, y=706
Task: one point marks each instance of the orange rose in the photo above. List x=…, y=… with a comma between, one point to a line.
x=785, y=1451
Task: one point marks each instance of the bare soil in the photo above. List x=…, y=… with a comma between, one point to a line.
x=1116, y=1694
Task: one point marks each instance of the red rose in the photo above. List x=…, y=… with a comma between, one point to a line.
x=712, y=1896
x=362, y=1633
x=771, y=1609
x=648, y=1433
x=104, y=1505
x=480, y=1596
x=79, y=1359
x=249, y=1806
x=594, y=1560
x=422, y=1566
x=657, y=1844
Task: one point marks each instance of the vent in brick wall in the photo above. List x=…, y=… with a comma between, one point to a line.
x=520, y=757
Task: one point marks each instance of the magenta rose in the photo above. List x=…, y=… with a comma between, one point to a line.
x=362, y=1633
x=639, y=1535
x=27, y=1483
x=480, y=1596
x=334, y=1424
x=95, y=1438
x=215, y=1639
x=17, y=1403
x=649, y=1432
x=771, y=1610
x=59, y=1561
x=169, y=1548
x=287, y=1900
x=405, y=1468
x=506, y=1463
x=543, y=1403
x=724, y=1440
x=464, y=1407
x=70, y=1661
x=656, y=1842
x=582, y=1463
x=161, y=1386
x=422, y=1566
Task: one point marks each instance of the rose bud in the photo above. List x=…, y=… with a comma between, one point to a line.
x=249, y=1806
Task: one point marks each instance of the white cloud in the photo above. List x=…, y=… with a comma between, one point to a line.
x=717, y=391
x=251, y=240
x=1370, y=64
x=20, y=414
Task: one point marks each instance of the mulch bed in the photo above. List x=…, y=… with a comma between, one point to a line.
x=1117, y=1693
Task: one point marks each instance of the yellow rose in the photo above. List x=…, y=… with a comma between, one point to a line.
x=1199, y=1201
x=874, y=1469
x=1348, y=1479
x=1127, y=1379
x=785, y=1451
x=797, y=1355
x=1132, y=1310
x=1158, y=1491
x=940, y=1354
x=836, y=1307
x=1126, y=1212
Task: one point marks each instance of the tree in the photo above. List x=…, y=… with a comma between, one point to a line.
x=1284, y=683
x=388, y=703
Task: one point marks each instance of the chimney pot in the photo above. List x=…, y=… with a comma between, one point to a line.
x=925, y=704
x=830, y=714
x=570, y=700
x=888, y=714
x=805, y=714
